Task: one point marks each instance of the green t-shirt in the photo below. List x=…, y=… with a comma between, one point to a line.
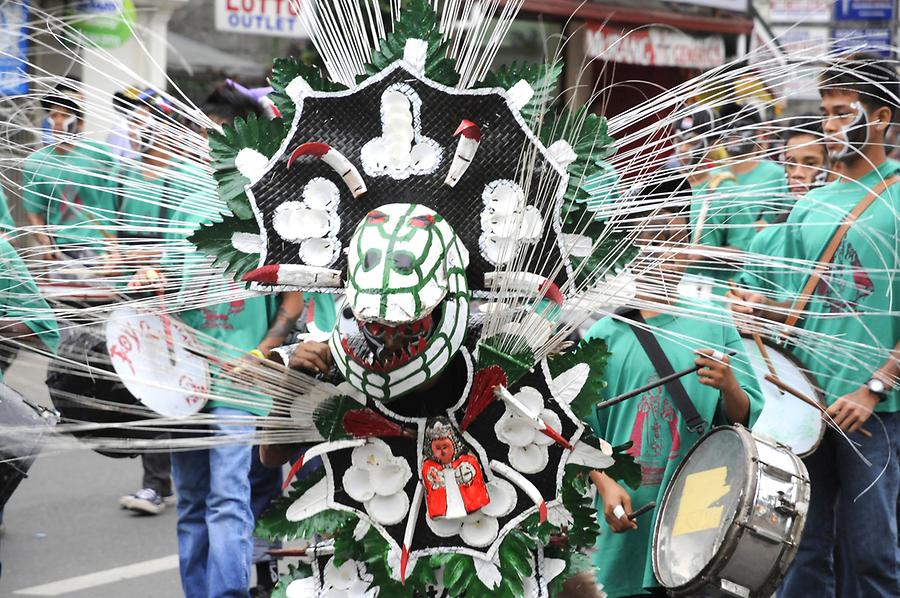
x=763, y=190
x=20, y=299
x=147, y=206
x=6, y=220
x=651, y=420
x=239, y=324
x=771, y=277
x=74, y=192
x=853, y=310
x=727, y=223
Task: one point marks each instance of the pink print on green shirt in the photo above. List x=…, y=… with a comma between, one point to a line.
x=655, y=435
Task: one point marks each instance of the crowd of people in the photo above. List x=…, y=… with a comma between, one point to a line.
x=732, y=227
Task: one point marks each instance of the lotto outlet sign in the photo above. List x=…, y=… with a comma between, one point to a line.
x=278, y=18
x=654, y=46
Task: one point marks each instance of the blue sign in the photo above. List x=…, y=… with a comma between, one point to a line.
x=874, y=41
x=13, y=48
x=863, y=10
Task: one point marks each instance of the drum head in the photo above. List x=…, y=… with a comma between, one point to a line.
x=152, y=357
x=699, y=507
x=785, y=418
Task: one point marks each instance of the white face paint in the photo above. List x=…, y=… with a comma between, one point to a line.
x=852, y=137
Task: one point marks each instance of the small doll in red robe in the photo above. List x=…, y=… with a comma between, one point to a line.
x=453, y=478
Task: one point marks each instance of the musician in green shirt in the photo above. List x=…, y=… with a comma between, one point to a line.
x=723, y=391
x=24, y=314
x=848, y=336
x=760, y=181
x=68, y=186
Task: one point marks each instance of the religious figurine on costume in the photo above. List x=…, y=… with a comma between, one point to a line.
x=454, y=481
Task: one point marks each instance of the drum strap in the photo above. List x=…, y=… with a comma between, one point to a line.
x=664, y=368
x=832, y=247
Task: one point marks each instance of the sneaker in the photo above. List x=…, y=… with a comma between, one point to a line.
x=125, y=501
x=146, y=500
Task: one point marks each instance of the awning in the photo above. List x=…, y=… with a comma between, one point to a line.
x=653, y=46
x=730, y=23
x=193, y=57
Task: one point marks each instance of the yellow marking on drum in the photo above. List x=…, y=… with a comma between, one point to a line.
x=701, y=490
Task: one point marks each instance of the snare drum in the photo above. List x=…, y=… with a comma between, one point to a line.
x=24, y=427
x=785, y=418
x=731, y=518
x=85, y=396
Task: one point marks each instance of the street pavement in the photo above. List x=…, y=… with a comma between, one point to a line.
x=65, y=532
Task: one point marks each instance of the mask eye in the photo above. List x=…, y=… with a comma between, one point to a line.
x=403, y=262
x=376, y=217
x=371, y=259
x=423, y=221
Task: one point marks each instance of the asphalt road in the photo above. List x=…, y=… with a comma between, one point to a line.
x=65, y=532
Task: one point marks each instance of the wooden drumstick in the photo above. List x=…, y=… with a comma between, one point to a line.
x=765, y=353
x=793, y=391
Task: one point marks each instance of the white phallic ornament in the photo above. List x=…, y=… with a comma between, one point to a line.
x=507, y=223
x=520, y=94
x=314, y=500
x=251, y=164
x=297, y=89
x=415, y=52
x=377, y=479
x=247, y=242
x=479, y=528
x=402, y=150
x=527, y=445
x=313, y=223
x=562, y=152
x=350, y=580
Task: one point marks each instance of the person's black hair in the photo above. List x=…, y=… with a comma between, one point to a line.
x=700, y=121
x=64, y=97
x=227, y=103
x=734, y=116
x=123, y=102
x=872, y=77
x=808, y=124
x=670, y=195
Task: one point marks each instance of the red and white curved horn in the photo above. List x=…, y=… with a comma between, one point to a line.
x=294, y=275
x=338, y=162
x=527, y=487
x=469, y=139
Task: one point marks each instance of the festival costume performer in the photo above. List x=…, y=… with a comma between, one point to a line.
x=760, y=181
x=408, y=193
x=658, y=431
x=856, y=300
x=68, y=186
x=719, y=218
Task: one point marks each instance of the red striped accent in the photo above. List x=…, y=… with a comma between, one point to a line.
x=404, y=560
x=550, y=290
x=310, y=148
x=295, y=469
x=469, y=130
x=266, y=274
x=542, y=511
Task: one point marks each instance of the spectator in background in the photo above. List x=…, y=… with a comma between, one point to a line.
x=122, y=139
x=760, y=181
x=719, y=221
x=67, y=187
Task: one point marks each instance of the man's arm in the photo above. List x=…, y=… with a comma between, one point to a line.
x=852, y=410
x=285, y=319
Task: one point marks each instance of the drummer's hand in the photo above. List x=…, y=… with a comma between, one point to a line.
x=715, y=372
x=852, y=410
x=613, y=495
x=745, y=305
x=147, y=277
x=312, y=357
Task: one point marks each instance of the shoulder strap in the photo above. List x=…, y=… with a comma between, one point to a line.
x=831, y=248
x=663, y=368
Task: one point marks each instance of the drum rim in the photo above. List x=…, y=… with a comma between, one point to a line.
x=717, y=562
x=820, y=396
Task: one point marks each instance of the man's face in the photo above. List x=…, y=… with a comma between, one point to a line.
x=804, y=160
x=689, y=150
x=664, y=241
x=849, y=126
x=62, y=121
x=442, y=450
